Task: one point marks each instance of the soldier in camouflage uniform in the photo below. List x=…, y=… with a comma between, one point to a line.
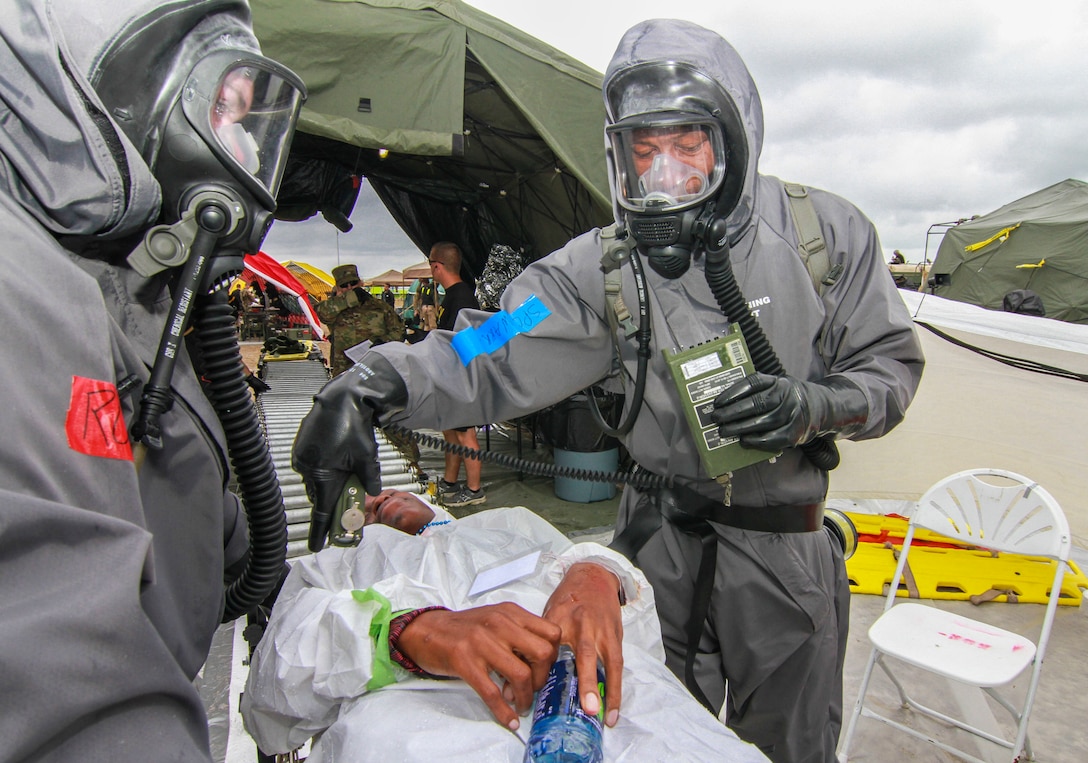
x=353, y=316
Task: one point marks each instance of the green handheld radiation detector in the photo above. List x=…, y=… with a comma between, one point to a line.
x=701, y=373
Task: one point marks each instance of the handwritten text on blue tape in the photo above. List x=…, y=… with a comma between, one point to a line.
x=499, y=329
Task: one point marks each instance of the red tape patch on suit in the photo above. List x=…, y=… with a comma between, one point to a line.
x=95, y=424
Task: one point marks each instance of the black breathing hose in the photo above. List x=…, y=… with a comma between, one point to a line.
x=821, y=452
x=157, y=398
x=250, y=457
x=641, y=479
x=642, y=335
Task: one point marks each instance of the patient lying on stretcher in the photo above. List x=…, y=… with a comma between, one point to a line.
x=362, y=642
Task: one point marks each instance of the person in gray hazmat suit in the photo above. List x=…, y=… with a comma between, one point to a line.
x=751, y=591
x=142, y=147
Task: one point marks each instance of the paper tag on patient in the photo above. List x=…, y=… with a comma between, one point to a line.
x=356, y=353
x=498, y=575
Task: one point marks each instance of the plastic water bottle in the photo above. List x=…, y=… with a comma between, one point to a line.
x=561, y=730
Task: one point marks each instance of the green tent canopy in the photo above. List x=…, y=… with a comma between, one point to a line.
x=1038, y=243
x=468, y=129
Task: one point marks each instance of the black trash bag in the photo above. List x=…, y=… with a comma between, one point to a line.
x=569, y=425
x=1024, y=302
x=313, y=185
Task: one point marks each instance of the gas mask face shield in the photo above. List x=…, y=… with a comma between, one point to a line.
x=252, y=116
x=668, y=171
x=227, y=137
x=667, y=164
x=675, y=163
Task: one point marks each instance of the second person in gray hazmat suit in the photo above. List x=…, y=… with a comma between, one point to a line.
x=142, y=148
x=766, y=583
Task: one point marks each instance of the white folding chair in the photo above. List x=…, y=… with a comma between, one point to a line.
x=992, y=509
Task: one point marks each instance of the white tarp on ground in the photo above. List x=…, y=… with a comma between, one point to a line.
x=1026, y=329
x=974, y=411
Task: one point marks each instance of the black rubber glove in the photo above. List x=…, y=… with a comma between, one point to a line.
x=336, y=439
x=361, y=294
x=777, y=412
x=257, y=384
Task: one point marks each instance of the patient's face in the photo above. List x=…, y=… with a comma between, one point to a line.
x=397, y=509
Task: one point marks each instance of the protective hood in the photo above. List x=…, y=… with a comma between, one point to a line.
x=63, y=155
x=684, y=43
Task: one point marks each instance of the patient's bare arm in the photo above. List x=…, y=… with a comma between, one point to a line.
x=586, y=607
x=504, y=638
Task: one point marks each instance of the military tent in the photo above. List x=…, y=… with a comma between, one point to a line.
x=468, y=129
x=420, y=270
x=1038, y=243
x=388, y=278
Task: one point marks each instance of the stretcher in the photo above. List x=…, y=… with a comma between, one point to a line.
x=941, y=569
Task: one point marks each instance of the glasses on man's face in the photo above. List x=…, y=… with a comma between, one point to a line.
x=350, y=285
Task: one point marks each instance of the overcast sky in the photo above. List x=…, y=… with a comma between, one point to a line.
x=919, y=112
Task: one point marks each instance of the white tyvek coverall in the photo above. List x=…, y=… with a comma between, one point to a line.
x=309, y=672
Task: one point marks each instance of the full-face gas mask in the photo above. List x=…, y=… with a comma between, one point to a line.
x=225, y=144
x=213, y=119
x=672, y=140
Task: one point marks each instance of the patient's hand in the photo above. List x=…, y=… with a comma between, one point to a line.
x=504, y=638
x=586, y=606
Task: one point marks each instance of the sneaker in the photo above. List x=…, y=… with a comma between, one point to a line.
x=465, y=497
x=444, y=489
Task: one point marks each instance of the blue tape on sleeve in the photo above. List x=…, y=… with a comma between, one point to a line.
x=499, y=329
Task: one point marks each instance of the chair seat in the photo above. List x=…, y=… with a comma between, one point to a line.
x=952, y=645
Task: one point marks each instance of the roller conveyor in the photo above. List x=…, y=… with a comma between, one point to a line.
x=294, y=384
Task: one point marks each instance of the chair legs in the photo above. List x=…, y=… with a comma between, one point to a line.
x=844, y=752
x=876, y=658
x=904, y=698
x=1025, y=741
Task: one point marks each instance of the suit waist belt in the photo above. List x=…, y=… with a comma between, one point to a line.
x=686, y=509
x=792, y=518
x=691, y=512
